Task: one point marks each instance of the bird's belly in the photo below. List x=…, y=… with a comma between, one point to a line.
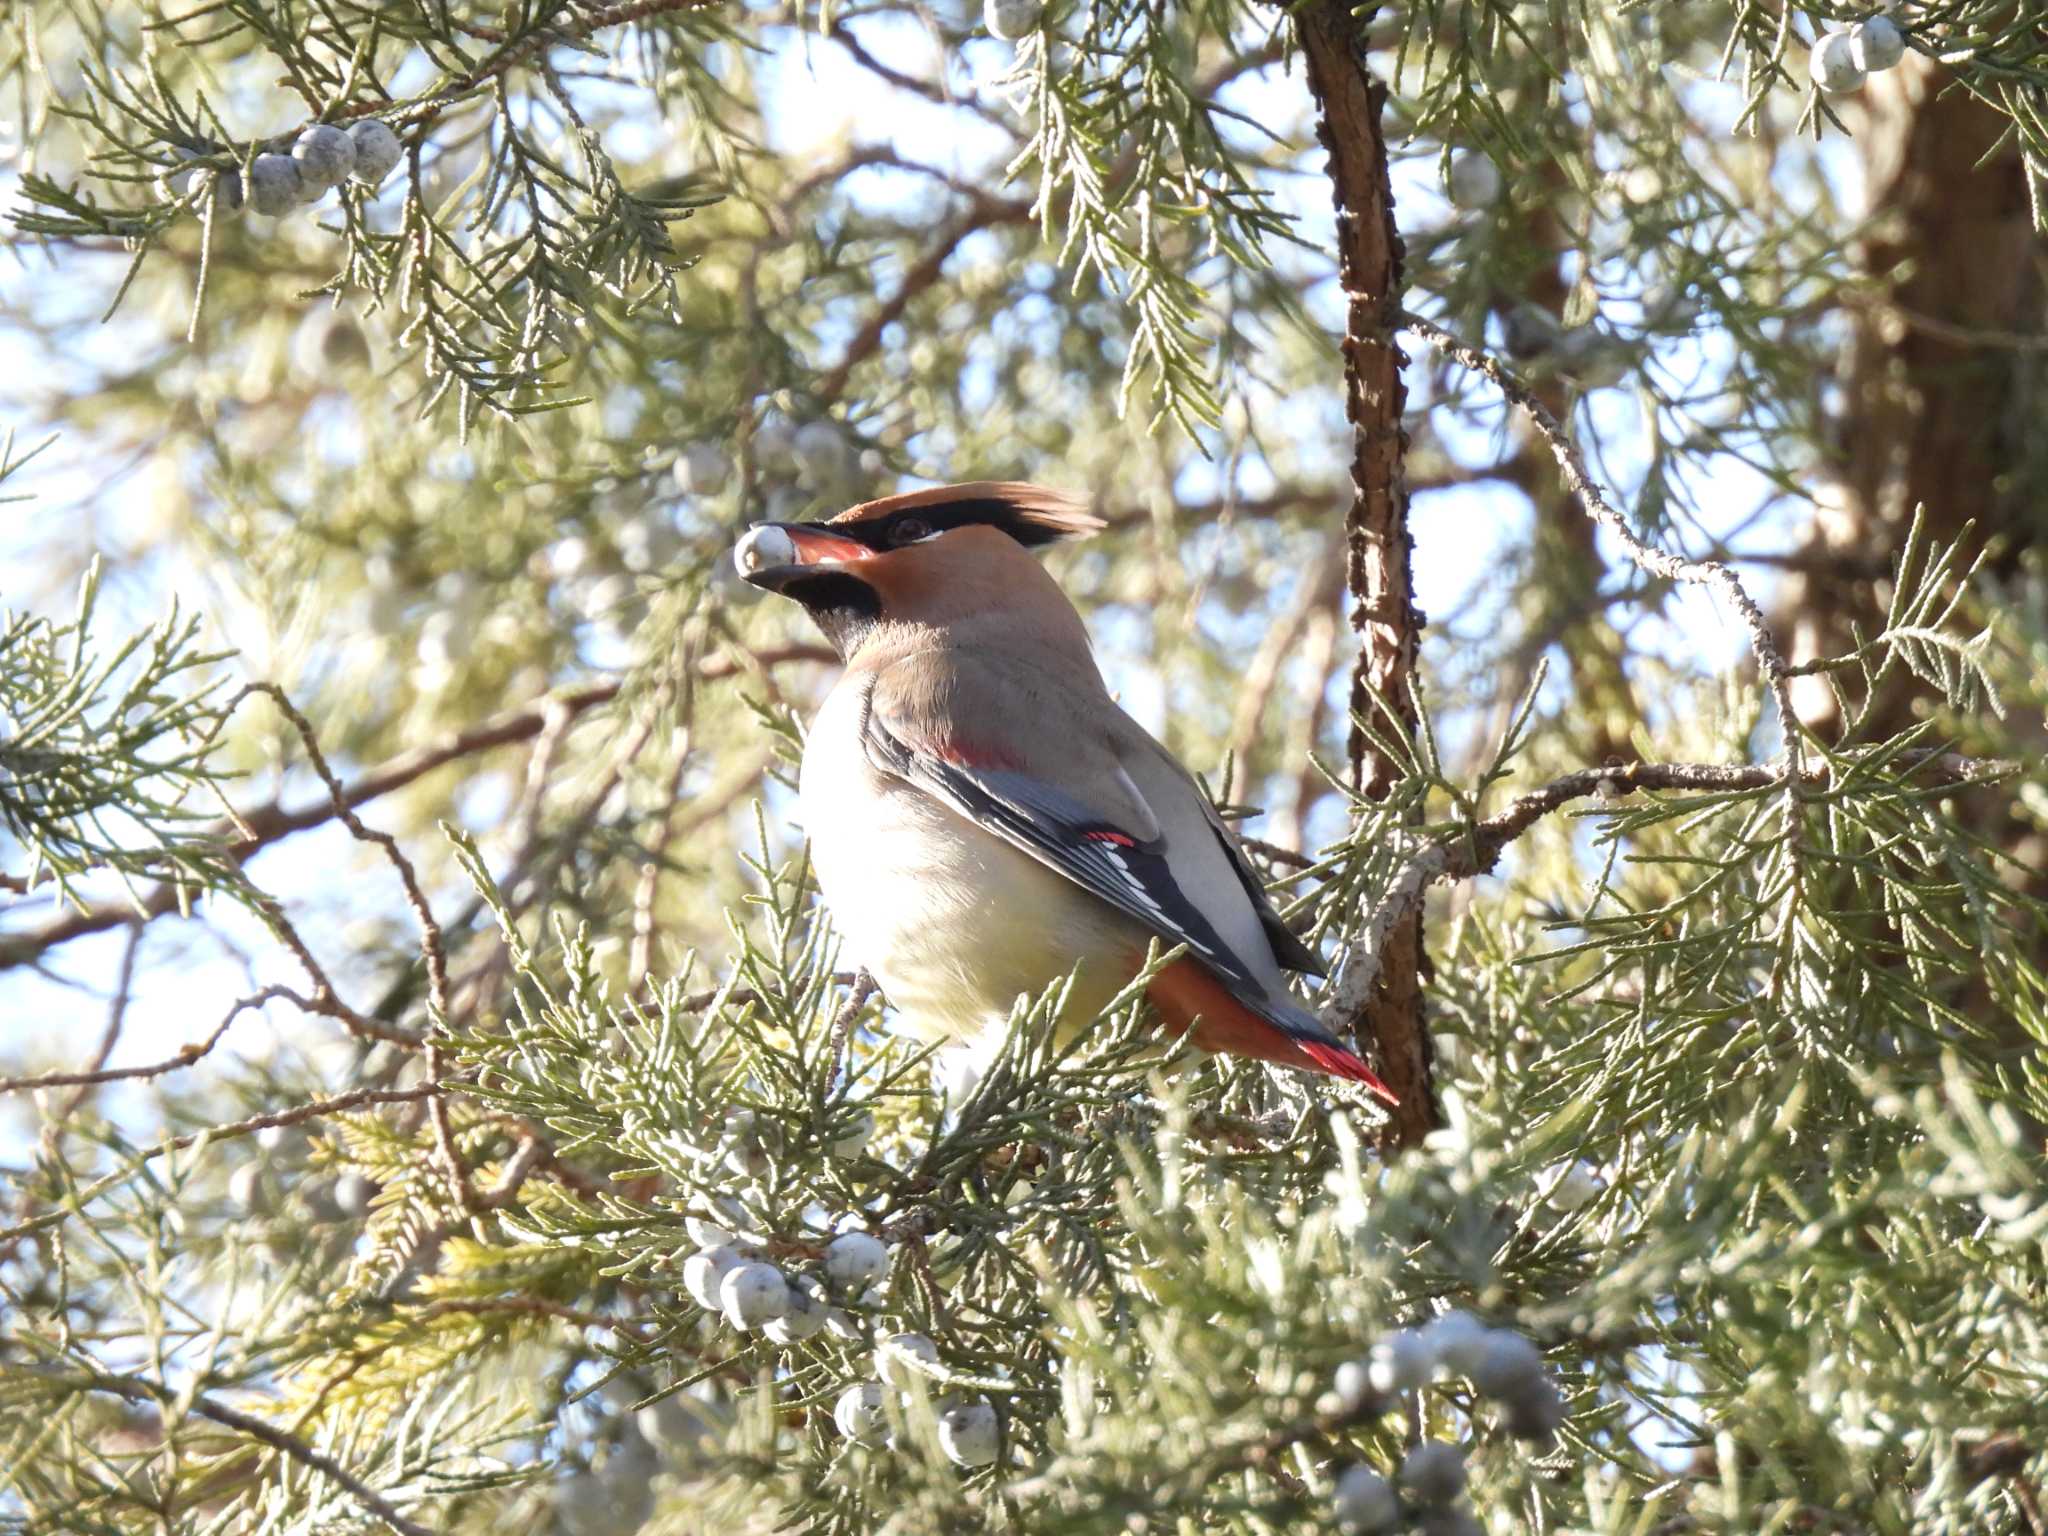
x=954, y=922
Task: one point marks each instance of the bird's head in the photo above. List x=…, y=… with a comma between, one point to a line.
x=939, y=557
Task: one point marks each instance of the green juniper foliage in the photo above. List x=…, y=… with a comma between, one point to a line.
x=432, y=1097
x=102, y=750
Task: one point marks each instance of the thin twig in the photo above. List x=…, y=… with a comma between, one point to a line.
x=1477, y=848
x=1276, y=854
x=864, y=987
x=95, y=1075
x=415, y=898
x=257, y=829
x=641, y=958
x=268, y=824
x=1319, y=660
x=326, y=999
x=985, y=213
x=297, y=1115
x=530, y=1154
x=1706, y=573
x=163, y=1398
x=1316, y=588
x=540, y=767
x=527, y=1306
x=935, y=91
x=515, y=52
x=117, y=1013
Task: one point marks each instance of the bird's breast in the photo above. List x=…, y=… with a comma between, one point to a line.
x=953, y=921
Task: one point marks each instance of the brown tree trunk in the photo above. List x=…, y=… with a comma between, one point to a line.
x=1350, y=124
x=1943, y=378
x=1944, y=393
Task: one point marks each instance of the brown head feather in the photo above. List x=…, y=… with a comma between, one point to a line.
x=1033, y=514
x=977, y=585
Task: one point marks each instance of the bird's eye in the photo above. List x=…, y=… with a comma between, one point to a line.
x=909, y=530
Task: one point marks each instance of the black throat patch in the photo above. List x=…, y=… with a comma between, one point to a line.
x=843, y=606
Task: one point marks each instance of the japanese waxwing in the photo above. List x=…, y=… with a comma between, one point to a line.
x=983, y=818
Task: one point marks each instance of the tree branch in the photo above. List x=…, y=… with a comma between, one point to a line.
x=117, y=1014
x=516, y=49
x=982, y=212
x=271, y=823
x=432, y=948
x=986, y=213
x=96, y=1074
x=1706, y=573
x=522, y=1306
x=1350, y=105
x=1476, y=849
x=256, y=1429
x=864, y=987
x=297, y=1115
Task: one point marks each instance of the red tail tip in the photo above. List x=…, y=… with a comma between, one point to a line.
x=1338, y=1062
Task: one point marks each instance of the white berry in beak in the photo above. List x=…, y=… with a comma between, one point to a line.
x=761, y=547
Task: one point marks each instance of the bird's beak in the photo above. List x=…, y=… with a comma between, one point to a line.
x=772, y=555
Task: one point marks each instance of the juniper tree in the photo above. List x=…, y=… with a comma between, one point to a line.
x=436, y=1100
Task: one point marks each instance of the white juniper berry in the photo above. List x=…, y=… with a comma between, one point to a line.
x=1011, y=19
x=753, y=1294
x=970, y=1433
x=377, y=151
x=273, y=185
x=1834, y=63
x=854, y=1261
x=1877, y=44
x=324, y=155
x=1365, y=1502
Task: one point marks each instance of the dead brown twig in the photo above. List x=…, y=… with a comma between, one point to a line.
x=95, y=1075
x=1657, y=562
x=432, y=947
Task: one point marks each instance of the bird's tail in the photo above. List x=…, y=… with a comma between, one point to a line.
x=1188, y=994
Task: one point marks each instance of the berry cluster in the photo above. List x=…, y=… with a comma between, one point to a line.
x=1843, y=60
x=969, y=1432
x=321, y=158
x=731, y=1274
x=729, y=1277
x=1500, y=1363
x=257, y=1189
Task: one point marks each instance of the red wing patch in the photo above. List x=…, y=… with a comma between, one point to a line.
x=1111, y=837
x=962, y=754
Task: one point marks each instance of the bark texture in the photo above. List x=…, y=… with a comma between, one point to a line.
x=1350, y=106
x=1945, y=380
x=1943, y=397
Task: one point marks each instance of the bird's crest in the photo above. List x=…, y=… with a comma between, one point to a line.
x=1030, y=514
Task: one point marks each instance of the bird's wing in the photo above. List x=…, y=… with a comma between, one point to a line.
x=1160, y=775
x=1069, y=779
x=1027, y=757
